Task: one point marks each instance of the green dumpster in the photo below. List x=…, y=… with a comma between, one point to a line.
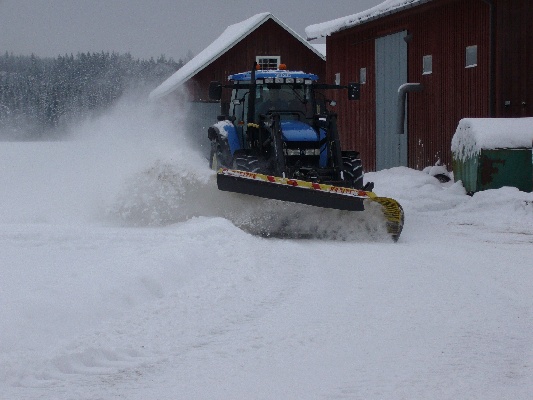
x=490, y=153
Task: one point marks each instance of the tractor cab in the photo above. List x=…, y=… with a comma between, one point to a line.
x=287, y=93
x=278, y=121
x=289, y=96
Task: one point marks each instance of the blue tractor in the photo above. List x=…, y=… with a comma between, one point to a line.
x=278, y=140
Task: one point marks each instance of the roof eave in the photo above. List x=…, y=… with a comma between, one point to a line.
x=365, y=20
x=155, y=94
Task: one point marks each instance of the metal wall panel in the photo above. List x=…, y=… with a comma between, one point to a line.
x=391, y=73
x=514, y=58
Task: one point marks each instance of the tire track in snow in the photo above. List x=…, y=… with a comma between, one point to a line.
x=226, y=297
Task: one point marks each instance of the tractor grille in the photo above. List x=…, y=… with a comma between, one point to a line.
x=303, y=152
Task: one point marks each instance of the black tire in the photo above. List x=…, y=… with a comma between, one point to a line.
x=246, y=162
x=353, y=171
x=442, y=178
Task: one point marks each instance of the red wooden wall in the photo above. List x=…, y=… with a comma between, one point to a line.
x=270, y=39
x=514, y=58
x=443, y=29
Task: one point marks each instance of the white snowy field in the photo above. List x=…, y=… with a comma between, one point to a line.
x=123, y=276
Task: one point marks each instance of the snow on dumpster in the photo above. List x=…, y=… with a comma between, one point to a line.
x=489, y=153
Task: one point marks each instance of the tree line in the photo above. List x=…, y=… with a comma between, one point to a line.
x=40, y=95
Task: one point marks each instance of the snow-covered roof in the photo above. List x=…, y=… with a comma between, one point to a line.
x=321, y=47
x=474, y=134
x=229, y=38
x=388, y=7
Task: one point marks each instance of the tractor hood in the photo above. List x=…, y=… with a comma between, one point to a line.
x=297, y=131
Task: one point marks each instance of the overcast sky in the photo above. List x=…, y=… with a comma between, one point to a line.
x=146, y=28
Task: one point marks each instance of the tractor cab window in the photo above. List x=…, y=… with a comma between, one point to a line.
x=320, y=102
x=292, y=101
x=239, y=98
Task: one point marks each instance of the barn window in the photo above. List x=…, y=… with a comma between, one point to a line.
x=362, y=76
x=338, y=78
x=427, y=65
x=471, y=56
x=268, y=62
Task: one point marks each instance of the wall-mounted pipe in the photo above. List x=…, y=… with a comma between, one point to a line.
x=402, y=95
x=492, y=56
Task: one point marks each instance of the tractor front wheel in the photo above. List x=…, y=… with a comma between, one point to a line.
x=246, y=162
x=353, y=171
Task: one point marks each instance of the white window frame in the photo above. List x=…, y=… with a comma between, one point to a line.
x=427, y=64
x=269, y=64
x=471, y=56
x=362, y=76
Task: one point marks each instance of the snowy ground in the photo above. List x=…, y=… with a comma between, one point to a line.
x=124, y=277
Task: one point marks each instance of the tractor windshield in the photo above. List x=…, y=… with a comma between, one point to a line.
x=291, y=101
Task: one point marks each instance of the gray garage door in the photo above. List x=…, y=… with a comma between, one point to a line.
x=391, y=73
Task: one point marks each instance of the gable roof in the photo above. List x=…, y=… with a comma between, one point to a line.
x=229, y=38
x=388, y=7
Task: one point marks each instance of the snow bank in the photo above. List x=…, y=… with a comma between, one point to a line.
x=201, y=309
x=387, y=7
x=474, y=134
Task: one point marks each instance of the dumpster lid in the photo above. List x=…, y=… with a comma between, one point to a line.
x=474, y=134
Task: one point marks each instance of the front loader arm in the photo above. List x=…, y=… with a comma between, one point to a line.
x=334, y=145
x=277, y=143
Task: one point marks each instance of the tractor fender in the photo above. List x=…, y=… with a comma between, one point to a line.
x=225, y=132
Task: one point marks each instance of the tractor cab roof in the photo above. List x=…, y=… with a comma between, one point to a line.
x=273, y=74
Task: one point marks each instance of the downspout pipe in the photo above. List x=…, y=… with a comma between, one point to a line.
x=402, y=96
x=492, y=55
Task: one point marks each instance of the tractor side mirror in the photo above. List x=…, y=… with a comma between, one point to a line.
x=215, y=90
x=354, y=91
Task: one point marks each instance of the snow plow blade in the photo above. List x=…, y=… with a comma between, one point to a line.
x=313, y=194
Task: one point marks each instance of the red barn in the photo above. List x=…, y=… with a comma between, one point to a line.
x=262, y=38
x=472, y=58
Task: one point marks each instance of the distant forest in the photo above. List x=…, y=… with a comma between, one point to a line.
x=40, y=95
